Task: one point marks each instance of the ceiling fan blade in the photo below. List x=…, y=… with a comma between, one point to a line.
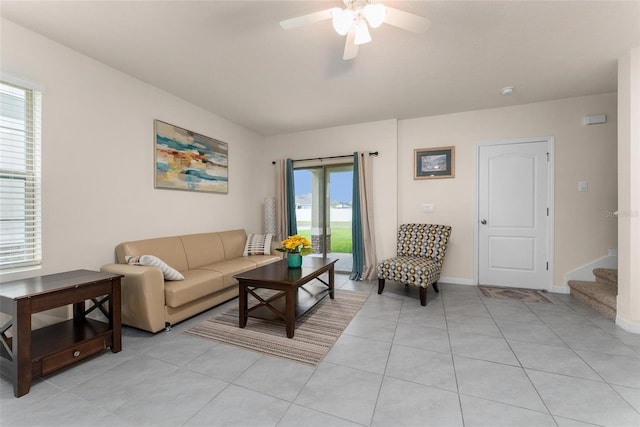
x=406, y=21
x=350, y=47
x=311, y=18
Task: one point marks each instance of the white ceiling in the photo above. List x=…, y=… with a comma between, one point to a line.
x=233, y=59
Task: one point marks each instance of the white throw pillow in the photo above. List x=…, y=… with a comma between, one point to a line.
x=258, y=244
x=153, y=261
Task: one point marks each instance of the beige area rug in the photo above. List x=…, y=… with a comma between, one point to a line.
x=514, y=294
x=315, y=333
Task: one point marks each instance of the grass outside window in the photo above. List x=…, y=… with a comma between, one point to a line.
x=340, y=235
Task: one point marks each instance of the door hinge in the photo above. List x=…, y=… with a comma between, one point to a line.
x=547, y=157
x=547, y=265
x=547, y=211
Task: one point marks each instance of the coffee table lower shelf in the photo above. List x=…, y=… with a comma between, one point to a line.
x=308, y=296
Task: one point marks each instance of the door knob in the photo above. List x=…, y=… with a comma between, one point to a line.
x=483, y=222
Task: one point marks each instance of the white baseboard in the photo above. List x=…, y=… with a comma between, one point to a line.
x=586, y=271
x=457, y=281
x=560, y=289
x=633, y=327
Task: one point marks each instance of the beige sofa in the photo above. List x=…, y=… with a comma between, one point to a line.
x=208, y=262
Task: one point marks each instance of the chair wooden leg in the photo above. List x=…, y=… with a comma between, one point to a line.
x=435, y=287
x=380, y=286
x=423, y=296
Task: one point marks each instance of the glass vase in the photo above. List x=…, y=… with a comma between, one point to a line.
x=294, y=260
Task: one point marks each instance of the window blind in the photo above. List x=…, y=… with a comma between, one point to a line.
x=20, y=208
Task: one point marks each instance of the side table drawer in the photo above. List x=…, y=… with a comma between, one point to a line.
x=73, y=354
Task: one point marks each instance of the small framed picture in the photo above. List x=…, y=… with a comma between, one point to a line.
x=431, y=163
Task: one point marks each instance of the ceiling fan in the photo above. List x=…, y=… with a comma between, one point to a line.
x=356, y=18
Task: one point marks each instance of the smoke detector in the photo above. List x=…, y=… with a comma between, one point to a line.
x=508, y=90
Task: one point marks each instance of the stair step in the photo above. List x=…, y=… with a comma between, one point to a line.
x=608, y=276
x=601, y=297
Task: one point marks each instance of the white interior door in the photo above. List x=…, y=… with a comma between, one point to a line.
x=513, y=214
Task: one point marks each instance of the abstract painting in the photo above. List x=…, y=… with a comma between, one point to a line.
x=186, y=160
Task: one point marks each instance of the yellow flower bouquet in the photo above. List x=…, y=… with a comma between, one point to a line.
x=296, y=244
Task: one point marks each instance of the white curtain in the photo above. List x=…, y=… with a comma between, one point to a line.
x=365, y=182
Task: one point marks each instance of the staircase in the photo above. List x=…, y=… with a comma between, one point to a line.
x=599, y=295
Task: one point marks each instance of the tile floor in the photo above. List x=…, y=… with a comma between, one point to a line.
x=464, y=360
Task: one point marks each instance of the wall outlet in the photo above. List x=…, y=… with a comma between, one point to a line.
x=428, y=207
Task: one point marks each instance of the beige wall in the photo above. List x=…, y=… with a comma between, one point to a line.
x=628, y=305
x=584, y=229
x=97, y=157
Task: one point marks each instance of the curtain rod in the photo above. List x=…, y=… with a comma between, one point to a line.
x=374, y=153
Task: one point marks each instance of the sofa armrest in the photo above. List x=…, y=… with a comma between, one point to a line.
x=276, y=244
x=143, y=299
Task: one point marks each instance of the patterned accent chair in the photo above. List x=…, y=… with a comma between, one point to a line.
x=419, y=259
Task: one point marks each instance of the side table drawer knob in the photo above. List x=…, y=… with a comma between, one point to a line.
x=71, y=355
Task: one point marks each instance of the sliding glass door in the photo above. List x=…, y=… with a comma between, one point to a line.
x=323, y=210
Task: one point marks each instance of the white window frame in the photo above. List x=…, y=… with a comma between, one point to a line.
x=27, y=253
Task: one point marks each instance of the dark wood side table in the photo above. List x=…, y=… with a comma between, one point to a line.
x=28, y=353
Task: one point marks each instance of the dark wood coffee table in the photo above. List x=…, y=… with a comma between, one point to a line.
x=297, y=295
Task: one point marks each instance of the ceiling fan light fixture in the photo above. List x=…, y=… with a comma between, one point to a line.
x=355, y=19
x=343, y=20
x=375, y=14
x=362, y=33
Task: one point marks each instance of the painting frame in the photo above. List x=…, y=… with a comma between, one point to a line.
x=434, y=163
x=189, y=161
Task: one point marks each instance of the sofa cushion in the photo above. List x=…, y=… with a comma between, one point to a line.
x=230, y=268
x=258, y=244
x=168, y=249
x=202, y=249
x=196, y=284
x=261, y=260
x=233, y=243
